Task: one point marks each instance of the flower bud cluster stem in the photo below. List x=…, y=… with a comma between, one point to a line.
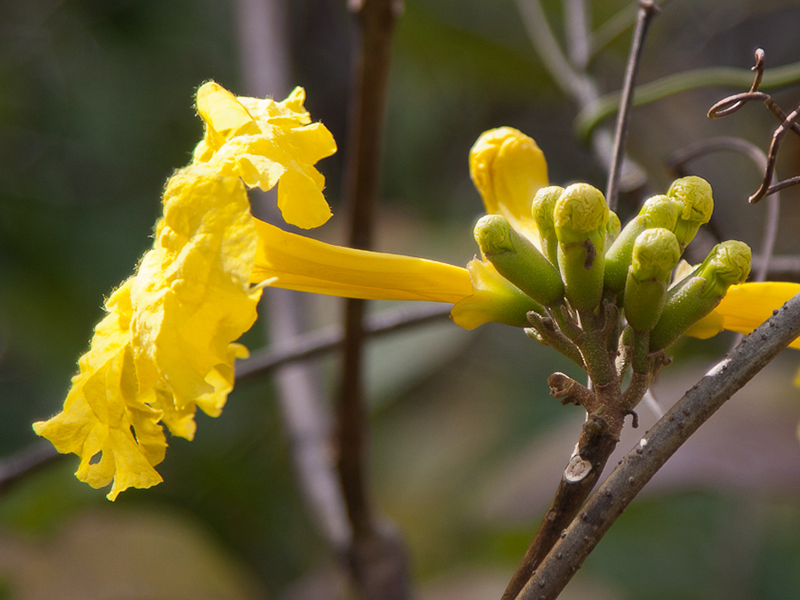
x=616, y=311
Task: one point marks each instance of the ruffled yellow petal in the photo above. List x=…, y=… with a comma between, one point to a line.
x=494, y=299
x=191, y=293
x=105, y=415
x=508, y=168
x=300, y=263
x=266, y=142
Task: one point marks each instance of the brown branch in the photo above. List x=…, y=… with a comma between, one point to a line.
x=658, y=445
x=264, y=57
x=377, y=557
x=595, y=445
x=731, y=104
x=765, y=189
x=647, y=10
x=25, y=462
x=316, y=343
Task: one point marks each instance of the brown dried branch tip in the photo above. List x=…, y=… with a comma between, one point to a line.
x=731, y=104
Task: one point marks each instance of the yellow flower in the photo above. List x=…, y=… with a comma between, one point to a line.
x=508, y=168
x=166, y=344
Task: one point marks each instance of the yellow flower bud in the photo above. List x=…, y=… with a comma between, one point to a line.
x=507, y=167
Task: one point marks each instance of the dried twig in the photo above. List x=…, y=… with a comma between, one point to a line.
x=658, y=445
x=731, y=104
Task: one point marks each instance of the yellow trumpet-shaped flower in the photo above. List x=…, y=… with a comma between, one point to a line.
x=480, y=294
x=166, y=345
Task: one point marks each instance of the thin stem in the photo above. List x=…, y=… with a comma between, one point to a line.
x=568, y=79
x=577, y=28
x=593, y=114
x=551, y=336
x=315, y=343
x=647, y=10
x=731, y=104
x=578, y=85
x=25, y=462
x=772, y=157
x=616, y=26
x=657, y=446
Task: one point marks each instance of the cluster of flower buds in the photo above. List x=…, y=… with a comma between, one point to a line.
x=583, y=257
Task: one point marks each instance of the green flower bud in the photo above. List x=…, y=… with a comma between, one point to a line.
x=697, y=295
x=580, y=217
x=518, y=260
x=544, y=203
x=613, y=227
x=695, y=198
x=493, y=234
x=658, y=211
x=655, y=254
x=727, y=265
x=661, y=211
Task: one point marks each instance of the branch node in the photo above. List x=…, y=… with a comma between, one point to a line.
x=634, y=418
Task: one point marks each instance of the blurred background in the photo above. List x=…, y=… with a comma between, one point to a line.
x=96, y=111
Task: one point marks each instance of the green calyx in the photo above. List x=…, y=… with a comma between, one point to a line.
x=518, y=260
x=695, y=198
x=698, y=294
x=655, y=255
x=580, y=217
x=542, y=207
